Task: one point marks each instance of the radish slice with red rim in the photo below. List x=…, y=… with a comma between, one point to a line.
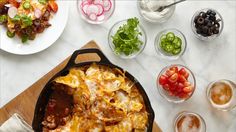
x=98, y=2
x=12, y=11
x=107, y=5
x=93, y=16
x=101, y=9
x=84, y=8
x=92, y=9
x=37, y=13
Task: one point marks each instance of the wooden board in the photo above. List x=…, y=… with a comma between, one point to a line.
x=24, y=103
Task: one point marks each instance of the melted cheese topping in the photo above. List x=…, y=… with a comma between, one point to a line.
x=105, y=100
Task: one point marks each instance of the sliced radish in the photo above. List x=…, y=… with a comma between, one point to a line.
x=101, y=9
x=92, y=9
x=101, y=17
x=85, y=2
x=93, y=16
x=84, y=8
x=107, y=5
x=98, y=2
x=12, y=11
x=37, y=13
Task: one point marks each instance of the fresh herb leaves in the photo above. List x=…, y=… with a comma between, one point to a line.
x=126, y=40
x=43, y=2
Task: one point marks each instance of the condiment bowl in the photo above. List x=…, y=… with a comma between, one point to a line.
x=180, y=115
x=113, y=31
x=163, y=53
x=207, y=38
x=162, y=17
x=164, y=93
x=101, y=18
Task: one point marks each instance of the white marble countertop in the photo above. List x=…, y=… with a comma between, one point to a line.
x=208, y=61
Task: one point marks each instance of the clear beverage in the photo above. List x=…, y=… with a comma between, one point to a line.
x=221, y=94
x=189, y=122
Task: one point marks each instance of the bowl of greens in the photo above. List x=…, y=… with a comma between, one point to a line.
x=127, y=38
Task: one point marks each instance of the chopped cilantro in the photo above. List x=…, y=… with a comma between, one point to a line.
x=43, y=2
x=26, y=21
x=3, y=18
x=126, y=40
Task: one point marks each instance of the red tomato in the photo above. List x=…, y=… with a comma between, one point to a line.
x=188, y=89
x=181, y=78
x=187, y=83
x=163, y=79
x=182, y=95
x=53, y=5
x=183, y=72
x=180, y=86
x=174, y=68
x=173, y=86
x=173, y=78
x=169, y=72
x=14, y=3
x=166, y=87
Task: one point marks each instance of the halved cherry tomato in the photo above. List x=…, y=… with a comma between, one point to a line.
x=174, y=86
x=182, y=95
x=166, y=87
x=180, y=87
x=169, y=72
x=53, y=5
x=181, y=78
x=183, y=72
x=188, y=89
x=176, y=83
x=173, y=78
x=14, y=3
x=163, y=79
x=174, y=68
x=187, y=83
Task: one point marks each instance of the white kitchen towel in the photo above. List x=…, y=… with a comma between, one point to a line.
x=15, y=124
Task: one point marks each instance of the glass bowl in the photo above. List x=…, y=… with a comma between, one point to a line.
x=229, y=105
x=113, y=31
x=187, y=113
x=164, y=93
x=82, y=6
x=164, y=54
x=163, y=17
x=207, y=38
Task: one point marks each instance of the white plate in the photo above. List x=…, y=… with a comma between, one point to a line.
x=42, y=40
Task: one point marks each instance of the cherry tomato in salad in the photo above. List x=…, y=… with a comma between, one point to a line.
x=163, y=79
x=53, y=5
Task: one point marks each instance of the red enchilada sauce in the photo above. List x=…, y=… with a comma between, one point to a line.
x=58, y=108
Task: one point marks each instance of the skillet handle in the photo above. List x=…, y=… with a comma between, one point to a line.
x=87, y=51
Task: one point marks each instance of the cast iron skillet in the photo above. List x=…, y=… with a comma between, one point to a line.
x=47, y=91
